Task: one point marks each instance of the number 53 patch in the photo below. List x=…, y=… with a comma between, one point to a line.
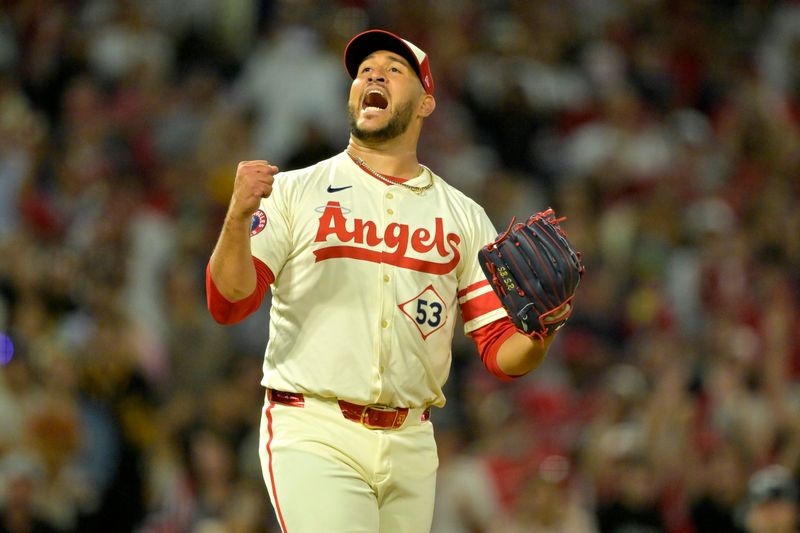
x=426, y=310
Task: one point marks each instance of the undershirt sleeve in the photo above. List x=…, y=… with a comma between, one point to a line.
x=226, y=312
x=489, y=338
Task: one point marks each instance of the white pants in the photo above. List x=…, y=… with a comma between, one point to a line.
x=325, y=473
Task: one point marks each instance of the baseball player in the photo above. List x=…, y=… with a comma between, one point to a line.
x=370, y=256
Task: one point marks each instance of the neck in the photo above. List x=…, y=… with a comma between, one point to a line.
x=400, y=162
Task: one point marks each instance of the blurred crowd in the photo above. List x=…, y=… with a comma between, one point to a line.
x=666, y=131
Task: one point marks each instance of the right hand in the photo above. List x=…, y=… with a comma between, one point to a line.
x=253, y=182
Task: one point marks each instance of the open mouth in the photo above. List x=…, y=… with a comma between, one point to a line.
x=374, y=100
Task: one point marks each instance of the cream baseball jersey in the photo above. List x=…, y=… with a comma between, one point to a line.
x=369, y=281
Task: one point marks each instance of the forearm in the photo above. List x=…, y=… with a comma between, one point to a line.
x=520, y=354
x=231, y=263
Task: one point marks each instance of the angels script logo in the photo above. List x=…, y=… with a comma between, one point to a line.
x=396, y=238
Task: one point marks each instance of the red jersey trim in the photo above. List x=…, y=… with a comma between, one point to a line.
x=389, y=258
x=480, y=305
x=226, y=312
x=489, y=339
x=468, y=288
x=268, y=413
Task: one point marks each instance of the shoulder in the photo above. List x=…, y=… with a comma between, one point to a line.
x=296, y=185
x=469, y=216
x=456, y=197
x=306, y=175
x=299, y=183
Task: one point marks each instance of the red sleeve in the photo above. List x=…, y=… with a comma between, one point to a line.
x=489, y=338
x=227, y=312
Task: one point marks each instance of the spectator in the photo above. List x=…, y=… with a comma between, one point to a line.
x=771, y=505
x=666, y=132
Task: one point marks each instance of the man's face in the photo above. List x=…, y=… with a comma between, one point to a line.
x=384, y=97
x=773, y=516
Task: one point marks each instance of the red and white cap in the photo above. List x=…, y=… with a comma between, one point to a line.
x=370, y=41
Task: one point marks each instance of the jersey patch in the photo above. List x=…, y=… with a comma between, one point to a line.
x=258, y=223
x=427, y=310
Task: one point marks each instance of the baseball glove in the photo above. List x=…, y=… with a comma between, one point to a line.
x=534, y=271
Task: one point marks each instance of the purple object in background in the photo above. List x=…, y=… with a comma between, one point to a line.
x=6, y=349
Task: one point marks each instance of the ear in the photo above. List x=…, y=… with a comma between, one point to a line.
x=427, y=106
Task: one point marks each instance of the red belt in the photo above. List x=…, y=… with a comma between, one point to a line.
x=370, y=416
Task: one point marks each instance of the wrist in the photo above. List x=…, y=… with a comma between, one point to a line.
x=237, y=219
x=521, y=353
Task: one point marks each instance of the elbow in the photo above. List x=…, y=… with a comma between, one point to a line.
x=226, y=313
x=237, y=305
x=223, y=308
x=219, y=307
x=220, y=315
x=234, y=295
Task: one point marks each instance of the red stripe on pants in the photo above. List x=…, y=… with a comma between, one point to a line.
x=271, y=474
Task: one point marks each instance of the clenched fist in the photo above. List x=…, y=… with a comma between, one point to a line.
x=253, y=182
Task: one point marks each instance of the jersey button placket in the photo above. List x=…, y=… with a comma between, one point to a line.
x=387, y=292
x=385, y=336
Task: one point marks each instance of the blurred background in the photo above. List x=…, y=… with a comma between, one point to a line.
x=667, y=131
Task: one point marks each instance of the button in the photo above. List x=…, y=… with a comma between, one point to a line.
x=386, y=278
x=384, y=324
x=389, y=195
x=391, y=212
x=382, y=369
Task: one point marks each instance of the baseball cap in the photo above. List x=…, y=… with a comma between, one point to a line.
x=370, y=41
x=770, y=484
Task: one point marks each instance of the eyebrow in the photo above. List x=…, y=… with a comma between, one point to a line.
x=396, y=59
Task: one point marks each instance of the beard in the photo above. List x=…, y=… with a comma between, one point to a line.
x=396, y=126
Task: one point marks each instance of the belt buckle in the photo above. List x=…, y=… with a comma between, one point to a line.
x=363, y=419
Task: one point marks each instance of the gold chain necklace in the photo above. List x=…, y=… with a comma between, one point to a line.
x=388, y=179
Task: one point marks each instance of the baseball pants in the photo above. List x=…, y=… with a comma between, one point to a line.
x=325, y=473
